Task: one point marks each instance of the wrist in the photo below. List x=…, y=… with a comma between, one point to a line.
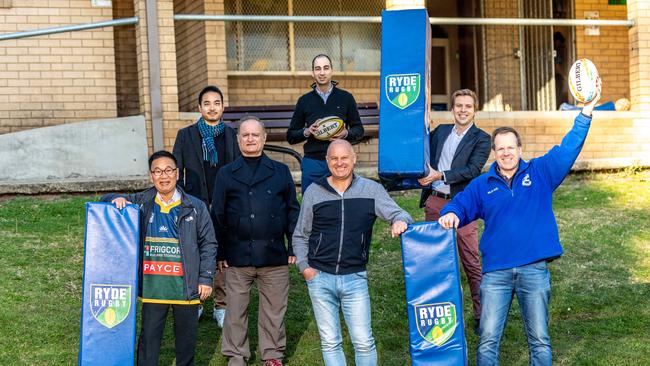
x=305, y=132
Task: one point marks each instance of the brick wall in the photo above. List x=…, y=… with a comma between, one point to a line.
x=215, y=39
x=639, y=54
x=613, y=135
x=278, y=90
x=191, y=54
x=60, y=78
x=540, y=131
x=502, y=68
x=126, y=68
x=609, y=51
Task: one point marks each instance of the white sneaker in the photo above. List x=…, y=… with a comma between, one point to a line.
x=219, y=315
x=200, y=311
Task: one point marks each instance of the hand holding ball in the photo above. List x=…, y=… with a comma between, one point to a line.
x=327, y=127
x=582, y=80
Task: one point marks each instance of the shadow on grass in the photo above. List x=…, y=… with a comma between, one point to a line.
x=208, y=348
x=600, y=308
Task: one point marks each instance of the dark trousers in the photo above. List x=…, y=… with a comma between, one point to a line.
x=467, y=242
x=312, y=170
x=186, y=325
x=273, y=288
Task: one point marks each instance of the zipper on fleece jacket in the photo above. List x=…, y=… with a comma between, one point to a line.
x=338, y=260
x=512, y=191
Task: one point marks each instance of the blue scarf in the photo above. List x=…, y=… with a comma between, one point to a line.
x=208, y=133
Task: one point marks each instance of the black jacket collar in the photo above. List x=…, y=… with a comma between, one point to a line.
x=242, y=173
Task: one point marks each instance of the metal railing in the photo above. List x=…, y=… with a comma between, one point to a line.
x=333, y=19
x=69, y=28
x=438, y=21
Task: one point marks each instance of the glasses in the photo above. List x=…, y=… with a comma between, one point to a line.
x=159, y=172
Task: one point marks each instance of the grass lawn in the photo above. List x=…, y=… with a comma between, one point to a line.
x=600, y=307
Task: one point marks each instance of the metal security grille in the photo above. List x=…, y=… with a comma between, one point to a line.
x=538, y=85
x=290, y=47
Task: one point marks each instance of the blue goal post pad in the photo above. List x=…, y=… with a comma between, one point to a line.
x=404, y=98
x=433, y=296
x=110, y=285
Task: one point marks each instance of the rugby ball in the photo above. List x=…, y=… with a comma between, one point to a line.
x=328, y=127
x=582, y=80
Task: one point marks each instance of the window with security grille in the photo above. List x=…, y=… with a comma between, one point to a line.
x=290, y=46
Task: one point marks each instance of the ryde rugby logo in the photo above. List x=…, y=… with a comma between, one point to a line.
x=436, y=322
x=110, y=304
x=402, y=90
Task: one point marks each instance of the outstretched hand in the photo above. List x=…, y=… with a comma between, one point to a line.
x=589, y=107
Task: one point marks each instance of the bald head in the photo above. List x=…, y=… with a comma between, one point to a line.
x=340, y=145
x=341, y=160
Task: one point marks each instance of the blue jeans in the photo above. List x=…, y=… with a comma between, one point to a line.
x=328, y=294
x=312, y=170
x=532, y=284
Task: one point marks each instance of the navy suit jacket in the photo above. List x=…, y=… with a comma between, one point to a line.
x=469, y=158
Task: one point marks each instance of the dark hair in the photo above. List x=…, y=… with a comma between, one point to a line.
x=464, y=92
x=503, y=131
x=313, y=61
x=210, y=88
x=161, y=154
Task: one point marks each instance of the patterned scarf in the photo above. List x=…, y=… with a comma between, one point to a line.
x=208, y=133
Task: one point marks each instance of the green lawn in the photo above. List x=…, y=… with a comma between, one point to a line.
x=600, y=307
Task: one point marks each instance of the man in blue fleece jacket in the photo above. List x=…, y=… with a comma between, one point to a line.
x=515, y=200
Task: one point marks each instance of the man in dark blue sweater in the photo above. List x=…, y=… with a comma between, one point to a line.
x=323, y=101
x=515, y=199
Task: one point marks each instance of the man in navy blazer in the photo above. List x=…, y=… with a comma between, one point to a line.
x=201, y=149
x=458, y=153
x=255, y=211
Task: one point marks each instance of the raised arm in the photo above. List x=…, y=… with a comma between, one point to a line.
x=556, y=164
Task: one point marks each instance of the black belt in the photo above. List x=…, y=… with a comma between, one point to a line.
x=441, y=195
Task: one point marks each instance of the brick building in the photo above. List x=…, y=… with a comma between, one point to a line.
x=105, y=72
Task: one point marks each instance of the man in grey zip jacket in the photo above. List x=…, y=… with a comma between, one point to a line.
x=331, y=243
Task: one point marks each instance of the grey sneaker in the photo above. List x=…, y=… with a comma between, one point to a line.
x=219, y=315
x=200, y=311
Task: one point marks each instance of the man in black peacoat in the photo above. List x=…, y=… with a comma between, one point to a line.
x=255, y=211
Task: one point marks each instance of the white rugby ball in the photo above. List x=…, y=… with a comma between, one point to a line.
x=582, y=80
x=328, y=127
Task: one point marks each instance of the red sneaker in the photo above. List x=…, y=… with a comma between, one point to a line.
x=273, y=362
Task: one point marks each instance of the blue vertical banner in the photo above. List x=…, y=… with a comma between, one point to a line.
x=433, y=296
x=110, y=285
x=405, y=98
